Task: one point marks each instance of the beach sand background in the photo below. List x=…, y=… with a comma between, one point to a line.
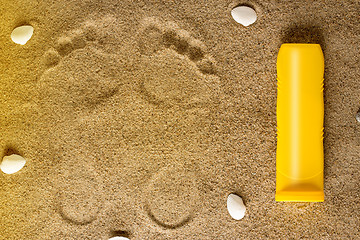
x=138, y=118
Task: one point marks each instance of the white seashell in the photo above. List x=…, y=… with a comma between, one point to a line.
x=22, y=34
x=244, y=15
x=13, y=163
x=358, y=116
x=118, y=238
x=235, y=206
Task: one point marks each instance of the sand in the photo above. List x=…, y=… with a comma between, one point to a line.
x=138, y=118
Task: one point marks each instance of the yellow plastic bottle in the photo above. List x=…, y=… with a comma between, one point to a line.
x=300, y=117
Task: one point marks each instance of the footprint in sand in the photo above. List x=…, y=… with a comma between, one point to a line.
x=179, y=72
x=83, y=70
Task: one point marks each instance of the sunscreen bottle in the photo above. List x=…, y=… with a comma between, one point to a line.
x=300, y=117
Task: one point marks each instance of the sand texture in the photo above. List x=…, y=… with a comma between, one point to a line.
x=138, y=118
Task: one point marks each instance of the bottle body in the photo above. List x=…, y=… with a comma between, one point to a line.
x=300, y=117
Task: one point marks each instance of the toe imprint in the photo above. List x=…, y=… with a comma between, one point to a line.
x=64, y=46
x=51, y=57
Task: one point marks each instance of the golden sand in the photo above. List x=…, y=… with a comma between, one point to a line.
x=139, y=118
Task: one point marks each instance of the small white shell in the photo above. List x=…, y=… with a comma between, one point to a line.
x=22, y=34
x=118, y=238
x=236, y=207
x=13, y=163
x=358, y=116
x=244, y=15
